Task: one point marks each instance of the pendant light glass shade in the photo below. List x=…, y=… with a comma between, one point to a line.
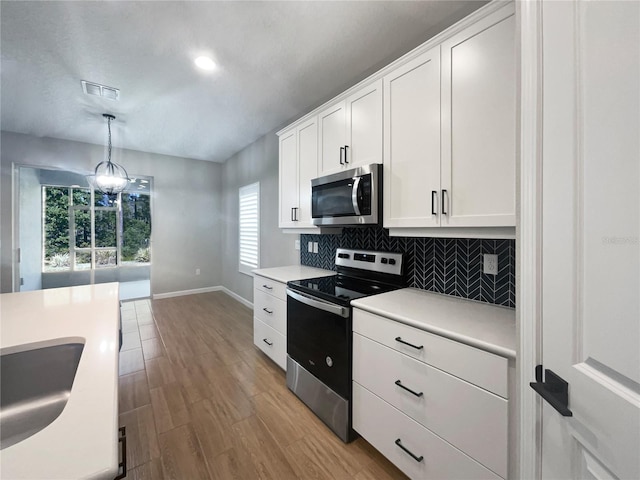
x=108, y=177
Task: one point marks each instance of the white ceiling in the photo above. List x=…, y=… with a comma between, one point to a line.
x=277, y=60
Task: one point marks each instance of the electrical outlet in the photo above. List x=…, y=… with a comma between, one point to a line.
x=315, y=247
x=197, y=271
x=490, y=264
x=297, y=245
x=310, y=247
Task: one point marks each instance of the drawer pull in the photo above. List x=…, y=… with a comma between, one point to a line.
x=122, y=440
x=406, y=450
x=267, y=287
x=398, y=339
x=267, y=310
x=267, y=342
x=399, y=383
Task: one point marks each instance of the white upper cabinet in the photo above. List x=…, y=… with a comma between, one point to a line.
x=288, y=176
x=298, y=165
x=412, y=147
x=351, y=131
x=479, y=124
x=449, y=133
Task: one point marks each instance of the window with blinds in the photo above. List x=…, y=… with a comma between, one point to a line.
x=249, y=237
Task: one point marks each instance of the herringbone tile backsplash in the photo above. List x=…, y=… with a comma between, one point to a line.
x=452, y=266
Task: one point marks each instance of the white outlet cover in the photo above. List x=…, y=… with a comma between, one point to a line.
x=490, y=264
x=315, y=247
x=310, y=247
x=297, y=245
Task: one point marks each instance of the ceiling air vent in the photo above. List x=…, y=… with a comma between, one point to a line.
x=100, y=90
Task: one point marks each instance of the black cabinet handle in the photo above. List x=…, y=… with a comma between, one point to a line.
x=267, y=287
x=295, y=214
x=444, y=192
x=553, y=389
x=122, y=440
x=341, y=150
x=433, y=202
x=399, y=383
x=398, y=339
x=267, y=341
x=406, y=450
x=346, y=160
x=292, y=214
x=267, y=310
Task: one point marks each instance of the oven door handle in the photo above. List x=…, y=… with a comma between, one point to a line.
x=320, y=304
x=354, y=195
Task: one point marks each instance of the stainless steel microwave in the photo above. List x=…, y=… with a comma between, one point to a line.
x=352, y=197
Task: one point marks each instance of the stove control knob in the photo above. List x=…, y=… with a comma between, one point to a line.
x=383, y=260
x=392, y=261
x=329, y=361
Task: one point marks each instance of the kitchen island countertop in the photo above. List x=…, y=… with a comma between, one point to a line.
x=83, y=441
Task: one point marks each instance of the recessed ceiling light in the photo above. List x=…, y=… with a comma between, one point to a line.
x=205, y=63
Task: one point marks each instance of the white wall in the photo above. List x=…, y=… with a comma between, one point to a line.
x=256, y=163
x=30, y=230
x=186, y=206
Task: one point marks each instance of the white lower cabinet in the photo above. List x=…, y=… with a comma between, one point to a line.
x=270, y=318
x=413, y=448
x=403, y=390
x=271, y=342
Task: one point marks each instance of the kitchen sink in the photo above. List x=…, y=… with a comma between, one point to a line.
x=34, y=388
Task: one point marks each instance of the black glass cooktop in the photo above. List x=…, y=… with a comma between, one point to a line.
x=340, y=289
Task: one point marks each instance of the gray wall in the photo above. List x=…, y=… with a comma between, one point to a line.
x=186, y=206
x=256, y=163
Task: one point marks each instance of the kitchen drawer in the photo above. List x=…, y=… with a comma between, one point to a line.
x=382, y=425
x=481, y=368
x=270, y=310
x=472, y=419
x=272, y=343
x=277, y=289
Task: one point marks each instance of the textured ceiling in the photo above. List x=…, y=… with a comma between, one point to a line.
x=276, y=61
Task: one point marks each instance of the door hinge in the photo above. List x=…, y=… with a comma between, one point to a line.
x=553, y=389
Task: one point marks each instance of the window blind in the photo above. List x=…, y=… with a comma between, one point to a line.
x=249, y=225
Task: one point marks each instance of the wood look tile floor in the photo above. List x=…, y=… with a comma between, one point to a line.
x=200, y=401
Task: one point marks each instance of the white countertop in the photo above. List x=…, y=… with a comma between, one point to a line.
x=292, y=272
x=83, y=441
x=488, y=327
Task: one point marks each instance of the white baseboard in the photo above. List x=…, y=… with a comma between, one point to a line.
x=237, y=297
x=195, y=291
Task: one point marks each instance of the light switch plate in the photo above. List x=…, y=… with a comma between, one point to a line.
x=490, y=264
x=297, y=245
x=310, y=247
x=315, y=247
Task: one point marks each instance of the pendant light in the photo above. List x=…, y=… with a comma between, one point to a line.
x=108, y=177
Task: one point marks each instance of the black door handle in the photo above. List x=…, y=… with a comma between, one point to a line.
x=554, y=390
x=341, y=150
x=122, y=440
x=267, y=342
x=345, y=154
x=414, y=456
x=398, y=339
x=433, y=202
x=267, y=310
x=443, y=202
x=417, y=394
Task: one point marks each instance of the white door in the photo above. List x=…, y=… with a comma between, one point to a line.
x=590, y=246
x=479, y=124
x=307, y=168
x=412, y=143
x=331, y=122
x=288, y=176
x=364, y=126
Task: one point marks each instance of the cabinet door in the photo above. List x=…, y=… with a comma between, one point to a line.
x=479, y=124
x=331, y=122
x=412, y=143
x=288, y=175
x=307, y=168
x=364, y=126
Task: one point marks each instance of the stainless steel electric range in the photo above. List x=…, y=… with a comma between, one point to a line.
x=319, y=331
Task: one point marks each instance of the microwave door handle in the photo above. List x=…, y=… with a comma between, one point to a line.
x=354, y=195
x=322, y=305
